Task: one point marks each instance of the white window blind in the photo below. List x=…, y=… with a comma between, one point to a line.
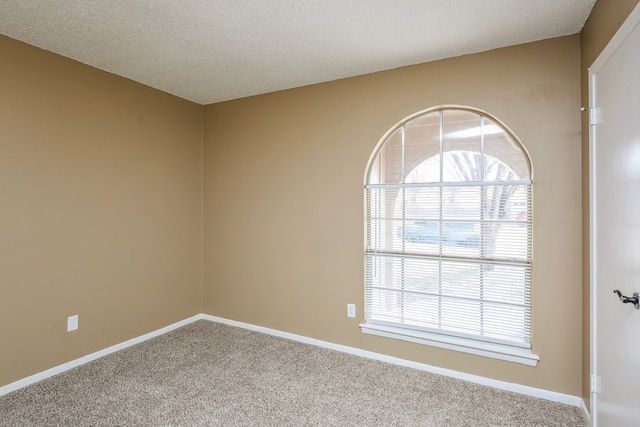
x=448, y=232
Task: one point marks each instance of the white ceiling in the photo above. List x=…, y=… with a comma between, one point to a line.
x=215, y=50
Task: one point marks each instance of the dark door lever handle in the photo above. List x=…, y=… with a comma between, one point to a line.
x=635, y=299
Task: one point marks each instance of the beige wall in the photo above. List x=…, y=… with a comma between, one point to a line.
x=100, y=209
x=605, y=19
x=283, y=197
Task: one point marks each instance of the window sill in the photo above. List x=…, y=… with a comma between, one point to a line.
x=466, y=345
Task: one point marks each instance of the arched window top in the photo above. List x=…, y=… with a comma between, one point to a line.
x=461, y=144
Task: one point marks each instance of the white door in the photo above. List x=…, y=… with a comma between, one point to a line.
x=615, y=228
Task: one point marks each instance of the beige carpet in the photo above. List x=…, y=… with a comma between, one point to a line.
x=208, y=374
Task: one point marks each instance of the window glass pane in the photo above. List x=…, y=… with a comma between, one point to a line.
x=461, y=229
x=461, y=280
x=461, y=146
x=506, y=226
x=460, y=166
x=426, y=172
x=387, y=167
x=422, y=143
x=418, y=230
x=498, y=171
x=503, y=283
x=461, y=203
x=505, y=323
x=511, y=242
x=519, y=206
x=381, y=221
x=420, y=203
x=500, y=147
x=461, y=316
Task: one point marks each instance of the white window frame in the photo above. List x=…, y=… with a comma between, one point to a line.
x=517, y=352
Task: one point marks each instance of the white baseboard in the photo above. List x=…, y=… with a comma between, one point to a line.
x=88, y=358
x=502, y=385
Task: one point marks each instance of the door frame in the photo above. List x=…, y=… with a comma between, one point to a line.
x=625, y=30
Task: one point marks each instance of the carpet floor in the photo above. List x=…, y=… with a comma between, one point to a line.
x=210, y=374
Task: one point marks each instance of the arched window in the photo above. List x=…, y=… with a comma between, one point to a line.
x=448, y=235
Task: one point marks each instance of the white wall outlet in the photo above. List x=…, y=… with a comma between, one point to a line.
x=72, y=323
x=351, y=310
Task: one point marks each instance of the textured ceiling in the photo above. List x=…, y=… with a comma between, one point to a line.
x=215, y=50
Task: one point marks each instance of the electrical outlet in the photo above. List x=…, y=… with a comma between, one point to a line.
x=351, y=310
x=72, y=323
